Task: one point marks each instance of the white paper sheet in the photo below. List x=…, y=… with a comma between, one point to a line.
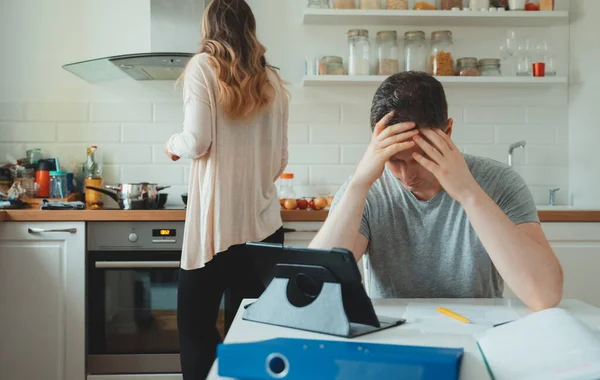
x=550, y=344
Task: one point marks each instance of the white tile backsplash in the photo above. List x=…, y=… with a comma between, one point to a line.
x=92, y=133
x=555, y=155
x=148, y=132
x=352, y=154
x=330, y=175
x=125, y=154
x=314, y=113
x=27, y=132
x=121, y=112
x=506, y=134
x=548, y=115
x=357, y=114
x=495, y=115
x=57, y=111
x=298, y=133
x=12, y=111
x=160, y=174
x=463, y=135
x=340, y=134
x=168, y=112
x=314, y=154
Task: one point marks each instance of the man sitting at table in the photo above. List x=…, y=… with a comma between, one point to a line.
x=432, y=222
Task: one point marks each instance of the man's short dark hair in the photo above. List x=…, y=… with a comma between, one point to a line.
x=415, y=96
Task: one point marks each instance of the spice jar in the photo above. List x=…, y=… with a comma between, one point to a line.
x=397, y=4
x=318, y=4
x=58, y=184
x=415, y=51
x=441, y=60
x=467, y=67
x=424, y=5
x=489, y=67
x=370, y=4
x=344, y=4
x=388, y=60
x=447, y=5
x=360, y=52
x=331, y=65
x=479, y=4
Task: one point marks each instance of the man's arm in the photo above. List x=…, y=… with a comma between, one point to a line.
x=341, y=229
x=521, y=253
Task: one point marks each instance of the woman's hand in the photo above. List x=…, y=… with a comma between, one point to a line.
x=386, y=142
x=169, y=154
x=447, y=163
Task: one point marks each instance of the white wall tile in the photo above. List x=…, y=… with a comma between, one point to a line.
x=495, y=152
x=186, y=173
x=541, y=194
x=12, y=111
x=463, y=135
x=314, y=154
x=57, y=111
x=456, y=112
x=161, y=174
x=352, y=154
x=148, y=133
x=533, y=135
x=111, y=174
x=548, y=115
x=126, y=154
x=298, y=133
x=70, y=154
x=16, y=151
x=339, y=134
x=330, y=175
x=314, y=113
x=121, y=112
x=300, y=174
x=544, y=175
x=168, y=112
x=537, y=155
x=27, y=132
x=93, y=133
x=494, y=115
x=357, y=114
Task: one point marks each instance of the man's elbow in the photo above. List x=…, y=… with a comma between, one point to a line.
x=547, y=297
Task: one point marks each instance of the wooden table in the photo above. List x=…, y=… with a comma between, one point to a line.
x=473, y=367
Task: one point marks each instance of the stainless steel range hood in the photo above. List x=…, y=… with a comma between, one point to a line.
x=174, y=37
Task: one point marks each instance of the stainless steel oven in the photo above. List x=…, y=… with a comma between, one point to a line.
x=132, y=271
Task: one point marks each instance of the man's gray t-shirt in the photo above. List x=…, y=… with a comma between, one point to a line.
x=428, y=249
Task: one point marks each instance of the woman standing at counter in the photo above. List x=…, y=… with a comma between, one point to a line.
x=235, y=132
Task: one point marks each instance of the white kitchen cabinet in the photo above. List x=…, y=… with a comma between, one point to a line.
x=42, y=300
x=304, y=233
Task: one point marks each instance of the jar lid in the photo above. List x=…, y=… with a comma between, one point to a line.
x=358, y=33
x=57, y=174
x=441, y=34
x=489, y=62
x=466, y=61
x=387, y=34
x=414, y=35
x=333, y=59
x=287, y=176
x=45, y=165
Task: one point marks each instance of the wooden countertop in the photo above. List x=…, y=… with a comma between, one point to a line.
x=179, y=215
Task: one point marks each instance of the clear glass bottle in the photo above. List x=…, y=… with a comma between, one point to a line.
x=543, y=53
x=467, y=67
x=441, y=62
x=388, y=54
x=489, y=67
x=286, y=186
x=93, y=177
x=415, y=51
x=370, y=4
x=318, y=4
x=331, y=65
x=359, y=61
x=524, y=60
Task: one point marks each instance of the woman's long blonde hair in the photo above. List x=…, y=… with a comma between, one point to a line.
x=229, y=39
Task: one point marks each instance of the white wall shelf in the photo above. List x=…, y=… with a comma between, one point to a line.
x=433, y=18
x=375, y=80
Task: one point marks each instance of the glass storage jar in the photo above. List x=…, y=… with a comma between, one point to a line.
x=447, y=5
x=286, y=186
x=318, y=4
x=479, y=4
x=467, y=67
x=359, y=61
x=370, y=4
x=58, y=184
x=424, y=5
x=331, y=65
x=489, y=67
x=441, y=62
x=388, y=55
x=415, y=51
x=397, y=4
x=344, y=4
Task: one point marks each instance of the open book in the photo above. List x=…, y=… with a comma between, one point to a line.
x=548, y=345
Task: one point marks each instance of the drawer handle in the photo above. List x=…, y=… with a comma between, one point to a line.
x=136, y=264
x=44, y=230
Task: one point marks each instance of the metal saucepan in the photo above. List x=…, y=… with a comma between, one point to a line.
x=134, y=196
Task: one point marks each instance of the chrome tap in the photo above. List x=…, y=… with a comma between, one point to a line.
x=552, y=200
x=520, y=144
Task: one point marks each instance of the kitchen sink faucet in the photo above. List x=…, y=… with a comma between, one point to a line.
x=520, y=144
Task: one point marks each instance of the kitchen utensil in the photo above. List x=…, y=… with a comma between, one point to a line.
x=133, y=196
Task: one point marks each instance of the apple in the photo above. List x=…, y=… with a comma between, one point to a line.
x=302, y=204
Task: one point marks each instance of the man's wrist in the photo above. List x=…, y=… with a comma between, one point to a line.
x=473, y=197
x=359, y=187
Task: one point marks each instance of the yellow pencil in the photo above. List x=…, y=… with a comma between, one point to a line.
x=452, y=314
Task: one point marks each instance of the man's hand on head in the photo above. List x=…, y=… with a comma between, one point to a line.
x=386, y=141
x=446, y=162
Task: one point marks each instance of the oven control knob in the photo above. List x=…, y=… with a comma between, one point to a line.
x=133, y=237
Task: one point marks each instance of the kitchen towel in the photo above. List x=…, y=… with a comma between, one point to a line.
x=54, y=205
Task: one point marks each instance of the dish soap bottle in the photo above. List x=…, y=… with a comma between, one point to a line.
x=93, y=177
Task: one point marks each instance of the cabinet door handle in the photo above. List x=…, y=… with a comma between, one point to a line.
x=136, y=264
x=44, y=230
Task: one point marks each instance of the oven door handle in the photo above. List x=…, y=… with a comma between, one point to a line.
x=45, y=230
x=136, y=264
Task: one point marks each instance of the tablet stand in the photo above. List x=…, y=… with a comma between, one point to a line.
x=324, y=314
